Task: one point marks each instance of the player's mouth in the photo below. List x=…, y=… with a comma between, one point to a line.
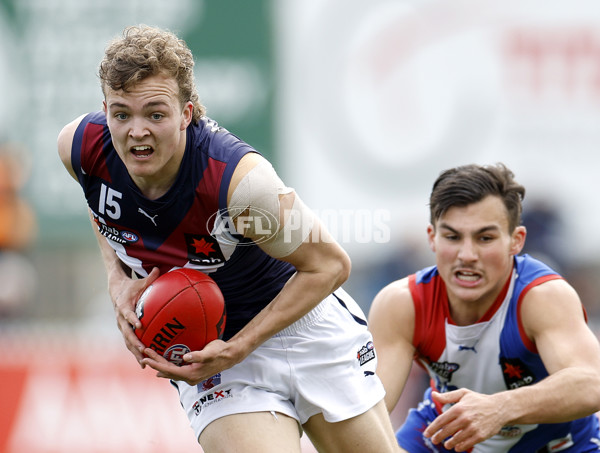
x=142, y=151
x=467, y=276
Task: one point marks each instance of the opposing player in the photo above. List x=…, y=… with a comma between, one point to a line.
x=167, y=187
x=513, y=364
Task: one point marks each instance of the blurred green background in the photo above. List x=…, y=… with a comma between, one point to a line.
x=50, y=52
x=359, y=106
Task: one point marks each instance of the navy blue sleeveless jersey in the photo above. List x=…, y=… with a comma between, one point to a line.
x=184, y=227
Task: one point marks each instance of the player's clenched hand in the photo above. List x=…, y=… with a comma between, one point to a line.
x=472, y=418
x=201, y=365
x=124, y=294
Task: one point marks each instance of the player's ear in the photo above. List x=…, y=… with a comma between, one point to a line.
x=517, y=241
x=431, y=237
x=186, y=115
x=104, y=108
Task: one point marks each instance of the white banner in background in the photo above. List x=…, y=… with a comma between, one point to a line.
x=378, y=98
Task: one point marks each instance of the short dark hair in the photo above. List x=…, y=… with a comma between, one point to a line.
x=468, y=184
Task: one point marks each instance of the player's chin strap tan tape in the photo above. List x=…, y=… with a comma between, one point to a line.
x=258, y=195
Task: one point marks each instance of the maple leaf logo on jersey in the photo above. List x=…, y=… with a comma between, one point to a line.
x=512, y=371
x=515, y=373
x=203, y=249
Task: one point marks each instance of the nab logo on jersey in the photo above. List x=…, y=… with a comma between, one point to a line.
x=444, y=369
x=203, y=249
x=515, y=373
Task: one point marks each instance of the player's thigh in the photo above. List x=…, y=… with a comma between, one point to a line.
x=370, y=432
x=263, y=432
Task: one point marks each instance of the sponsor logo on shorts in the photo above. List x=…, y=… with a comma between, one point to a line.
x=366, y=353
x=209, y=383
x=211, y=398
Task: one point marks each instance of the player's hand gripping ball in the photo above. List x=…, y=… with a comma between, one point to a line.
x=181, y=311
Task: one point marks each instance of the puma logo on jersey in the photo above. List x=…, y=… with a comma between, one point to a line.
x=467, y=348
x=141, y=211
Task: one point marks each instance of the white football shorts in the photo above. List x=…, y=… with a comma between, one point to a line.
x=323, y=363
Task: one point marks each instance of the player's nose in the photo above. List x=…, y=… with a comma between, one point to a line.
x=138, y=129
x=467, y=251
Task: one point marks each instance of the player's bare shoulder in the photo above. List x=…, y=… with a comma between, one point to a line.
x=396, y=292
x=246, y=163
x=393, y=304
x=65, y=141
x=550, y=303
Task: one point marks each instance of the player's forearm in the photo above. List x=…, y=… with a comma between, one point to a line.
x=115, y=270
x=300, y=295
x=565, y=395
x=393, y=371
x=302, y=292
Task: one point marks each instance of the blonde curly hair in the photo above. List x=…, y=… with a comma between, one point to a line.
x=143, y=51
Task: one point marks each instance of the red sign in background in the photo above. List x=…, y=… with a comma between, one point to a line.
x=63, y=396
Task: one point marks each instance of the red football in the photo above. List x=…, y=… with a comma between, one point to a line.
x=181, y=311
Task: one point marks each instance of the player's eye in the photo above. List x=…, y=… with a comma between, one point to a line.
x=157, y=116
